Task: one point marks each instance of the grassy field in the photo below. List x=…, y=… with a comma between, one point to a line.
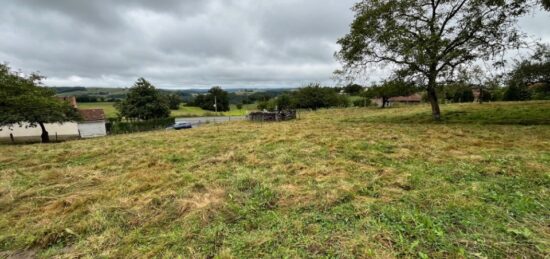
x=334, y=183
x=184, y=111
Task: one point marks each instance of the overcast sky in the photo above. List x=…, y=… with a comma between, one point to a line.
x=182, y=43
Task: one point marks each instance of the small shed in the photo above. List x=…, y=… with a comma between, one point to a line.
x=92, y=124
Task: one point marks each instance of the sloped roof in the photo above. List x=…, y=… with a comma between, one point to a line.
x=92, y=114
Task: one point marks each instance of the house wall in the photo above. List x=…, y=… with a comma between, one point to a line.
x=92, y=129
x=64, y=131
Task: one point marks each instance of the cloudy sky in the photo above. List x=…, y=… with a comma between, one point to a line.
x=182, y=43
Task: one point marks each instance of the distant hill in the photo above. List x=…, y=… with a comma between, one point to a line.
x=105, y=94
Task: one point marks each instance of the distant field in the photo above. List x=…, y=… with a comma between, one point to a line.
x=336, y=183
x=94, y=91
x=107, y=107
x=184, y=111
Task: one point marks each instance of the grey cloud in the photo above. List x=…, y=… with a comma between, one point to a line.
x=175, y=43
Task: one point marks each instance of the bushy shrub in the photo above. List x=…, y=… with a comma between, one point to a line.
x=314, y=97
x=174, y=101
x=115, y=126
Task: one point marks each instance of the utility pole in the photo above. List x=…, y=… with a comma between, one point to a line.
x=216, y=103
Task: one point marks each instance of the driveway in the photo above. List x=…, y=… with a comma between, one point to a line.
x=197, y=121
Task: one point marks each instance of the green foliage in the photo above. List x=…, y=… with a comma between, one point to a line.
x=283, y=102
x=517, y=93
x=354, y=89
x=269, y=105
x=215, y=99
x=122, y=127
x=530, y=78
x=540, y=91
x=250, y=96
x=428, y=40
x=144, y=102
x=459, y=93
x=239, y=106
x=22, y=99
x=363, y=102
x=314, y=97
x=174, y=101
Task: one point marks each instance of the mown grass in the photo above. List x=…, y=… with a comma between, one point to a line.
x=183, y=111
x=335, y=183
x=512, y=113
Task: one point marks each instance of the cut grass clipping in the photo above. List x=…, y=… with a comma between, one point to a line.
x=335, y=183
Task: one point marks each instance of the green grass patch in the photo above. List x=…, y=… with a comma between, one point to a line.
x=513, y=113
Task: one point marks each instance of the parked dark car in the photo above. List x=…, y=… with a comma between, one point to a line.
x=181, y=125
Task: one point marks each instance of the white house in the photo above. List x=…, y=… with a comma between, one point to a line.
x=24, y=133
x=93, y=124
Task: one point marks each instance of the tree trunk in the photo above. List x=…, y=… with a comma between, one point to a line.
x=384, y=101
x=45, y=136
x=480, y=96
x=432, y=96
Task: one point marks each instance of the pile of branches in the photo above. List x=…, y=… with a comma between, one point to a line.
x=273, y=116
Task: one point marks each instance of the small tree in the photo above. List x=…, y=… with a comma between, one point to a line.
x=215, y=100
x=390, y=89
x=218, y=97
x=174, y=101
x=144, y=102
x=459, y=92
x=22, y=99
x=283, y=102
x=517, y=93
x=353, y=89
x=427, y=39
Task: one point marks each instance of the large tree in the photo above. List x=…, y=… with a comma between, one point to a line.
x=23, y=100
x=426, y=40
x=144, y=102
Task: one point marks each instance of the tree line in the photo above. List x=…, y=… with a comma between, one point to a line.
x=312, y=96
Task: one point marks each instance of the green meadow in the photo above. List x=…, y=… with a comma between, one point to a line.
x=346, y=183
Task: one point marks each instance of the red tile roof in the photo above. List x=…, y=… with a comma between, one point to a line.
x=92, y=114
